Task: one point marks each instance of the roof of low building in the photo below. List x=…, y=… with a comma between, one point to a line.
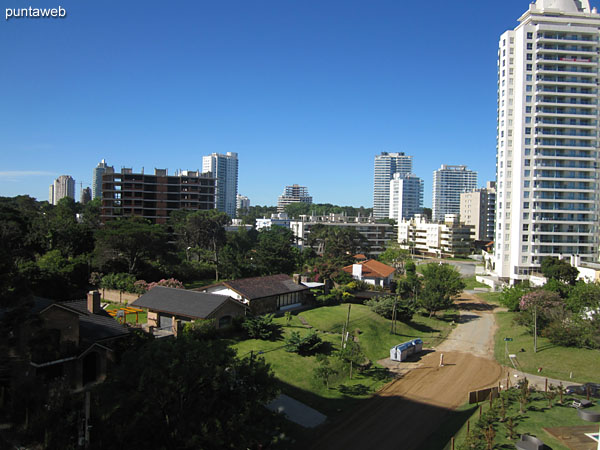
x=372, y=269
x=182, y=302
x=260, y=287
x=95, y=327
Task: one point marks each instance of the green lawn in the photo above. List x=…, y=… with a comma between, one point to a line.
x=537, y=415
x=492, y=298
x=556, y=362
x=472, y=283
x=296, y=372
x=142, y=316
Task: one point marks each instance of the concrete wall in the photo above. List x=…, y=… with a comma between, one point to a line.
x=113, y=295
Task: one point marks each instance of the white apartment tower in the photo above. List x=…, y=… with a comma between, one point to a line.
x=225, y=169
x=547, y=144
x=293, y=194
x=63, y=186
x=386, y=165
x=448, y=183
x=99, y=170
x=406, y=197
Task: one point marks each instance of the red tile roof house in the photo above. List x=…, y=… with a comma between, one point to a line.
x=71, y=339
x=169, y=308
x=263, y=294
x=372, y=272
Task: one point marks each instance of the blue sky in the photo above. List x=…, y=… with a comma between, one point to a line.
x=306, y=92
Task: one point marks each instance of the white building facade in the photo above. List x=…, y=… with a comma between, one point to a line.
x=99, y=170
x=386, y=165
x=547, y=144
x=225, y=169
x=406, y=196
x=448, y=183
x=478, y=208
x=63, y=186
x=293, y=194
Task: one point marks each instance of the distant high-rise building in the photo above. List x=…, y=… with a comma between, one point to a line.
x=293, y=194
x=448, y=183
x=478, y=208
x=386, y=165
x=99, y=170
x=86, y=195
x=63, y=186
x=406, y=196
x=155, y=197
x=225, y=169
x=547, y=144
x=242, y=202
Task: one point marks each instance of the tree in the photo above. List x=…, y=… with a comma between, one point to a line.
x=129, y=243
x=352, y=353
x=324, y=371
x=441, y=282
x=275, y=251
x=543, y=305
x=394, y=256
x=202, y=230
x=260, y=327
x=186, y=393
x=389, y=306
x=409, y=286
x=559, y=269
x=584, y=296
x=511, y=296
x=337, y=244
x=238, y=255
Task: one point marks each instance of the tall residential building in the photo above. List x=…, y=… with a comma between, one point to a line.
x=478, y=208
x=63, y=186
x=386, y=165
x=406, y=196
x=547, y=144
x=293, y=194
x=97, y=179
x=85, y=196
x=448, y=183
x=242, y=202
x=225, y=169
x=155, y=196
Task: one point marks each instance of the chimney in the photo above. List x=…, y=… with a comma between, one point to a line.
x=93, y=302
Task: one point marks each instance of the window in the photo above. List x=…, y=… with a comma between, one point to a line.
x=528, y=98
x=528, y=77
x=529, y=67
x=525, y=205
x=504, y=52
x=526, y=194
x=525, y=216
x=507, y=236
x=527, y=130
x=526, y=184
x=524, y=259
x=527, y=173
x=529, y=35
x=528, y=109
x=527, y=141
x=525, y=227
x=529, y=46
x=524, y=248
x=527, y=162
x=529, y=57
x=528, y=88
x=525, y=238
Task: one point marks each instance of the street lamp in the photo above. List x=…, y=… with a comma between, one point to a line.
x=590, y=416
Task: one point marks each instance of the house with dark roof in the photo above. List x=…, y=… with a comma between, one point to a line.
x=72, y=339
x=169, y=309
x=263, y=294
x=372, y=272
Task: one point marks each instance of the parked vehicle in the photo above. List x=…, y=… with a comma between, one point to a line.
x=594, y=389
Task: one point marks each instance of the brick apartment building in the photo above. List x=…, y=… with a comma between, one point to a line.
x=154, y=197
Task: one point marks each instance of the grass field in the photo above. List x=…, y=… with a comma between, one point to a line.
x=536, y=417
x=472, y=283
x=556, y=362
x=296, y=372
x=492, y=298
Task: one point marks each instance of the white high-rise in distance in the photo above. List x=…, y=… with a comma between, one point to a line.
x=63, y=186
x=406, y=196
x=448, y=183
x=547, y=144
x=386, y=165
x=225, y=169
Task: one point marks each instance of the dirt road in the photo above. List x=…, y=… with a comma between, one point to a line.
x=406, y=411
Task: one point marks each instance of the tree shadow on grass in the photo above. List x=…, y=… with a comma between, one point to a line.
x=423, y=328
x=354, y=390
x=377, y=373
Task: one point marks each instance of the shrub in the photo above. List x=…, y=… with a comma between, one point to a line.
x=260, y=327
x=121, y=281
x=384, y=306
x=304, y=346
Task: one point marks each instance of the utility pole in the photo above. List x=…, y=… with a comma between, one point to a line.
x=534, y=328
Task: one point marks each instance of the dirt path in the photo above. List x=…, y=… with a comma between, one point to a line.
x=408, y=410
